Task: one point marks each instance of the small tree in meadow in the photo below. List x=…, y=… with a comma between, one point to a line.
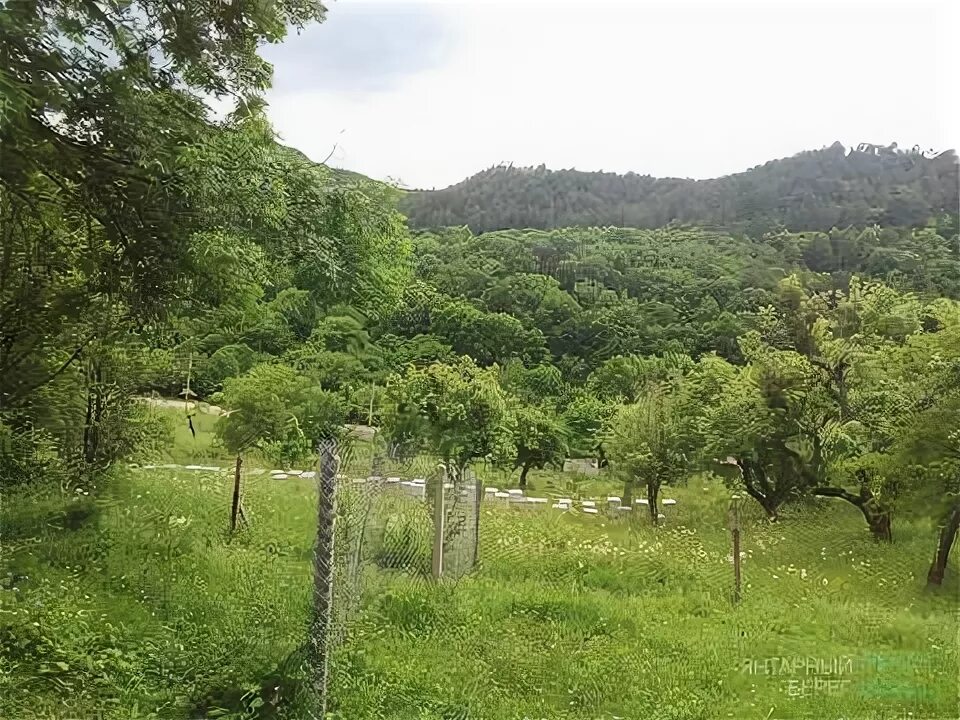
x=281, y=413
x=541, y=439
x=654, y=441
x=278, y=411
x=457, y=412
x=586, y=416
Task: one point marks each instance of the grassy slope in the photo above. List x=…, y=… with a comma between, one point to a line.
x=137, y=597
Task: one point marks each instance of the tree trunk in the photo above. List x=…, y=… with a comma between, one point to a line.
x=947, y=535
x=627, y=499
x=524, y=469
x=770, y=505
x=653, y=489
x=880, y=526
x=753, y=479
x=235, y=506
x=94, y=416
x=89, y=450
x=601, y=457
x=876, y=515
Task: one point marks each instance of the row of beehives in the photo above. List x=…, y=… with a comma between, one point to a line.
x=586, y=505
x=417, y=488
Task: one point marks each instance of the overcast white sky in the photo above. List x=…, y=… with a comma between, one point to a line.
x=429, y=93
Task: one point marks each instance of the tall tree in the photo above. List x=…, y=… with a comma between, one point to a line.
x=102, y=103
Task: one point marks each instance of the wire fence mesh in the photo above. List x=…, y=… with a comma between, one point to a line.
x=379, y=511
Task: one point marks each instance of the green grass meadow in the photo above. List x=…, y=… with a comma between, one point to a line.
x=133, y=602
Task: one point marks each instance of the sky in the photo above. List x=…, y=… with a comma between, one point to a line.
x=426, y=93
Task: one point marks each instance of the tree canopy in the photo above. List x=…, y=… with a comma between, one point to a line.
x=814, y=191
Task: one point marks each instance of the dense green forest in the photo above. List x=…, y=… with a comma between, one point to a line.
x=148, y=249
x=814, y=190
x=792, y=332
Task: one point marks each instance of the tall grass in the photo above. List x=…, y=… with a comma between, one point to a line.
x=137, y=604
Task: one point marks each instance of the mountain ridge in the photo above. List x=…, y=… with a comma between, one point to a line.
x=811, y=190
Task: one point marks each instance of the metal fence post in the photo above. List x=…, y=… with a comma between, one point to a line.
x=323, y=572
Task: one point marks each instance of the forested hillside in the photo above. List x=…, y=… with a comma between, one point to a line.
x=587, y=295
x=789, y=335
x=815, y=190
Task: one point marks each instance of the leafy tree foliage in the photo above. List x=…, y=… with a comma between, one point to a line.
x=488, y=337
x=599, y=293
x=100, y=102
x=540, y=384
x=278, y=411
x=766, y=421
x=458, y=412
x=541, y=439
x=587, y=415
x=926, y=369
x=135, y=227
x=654, y=441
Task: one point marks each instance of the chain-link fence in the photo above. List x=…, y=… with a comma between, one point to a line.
x=380, y=512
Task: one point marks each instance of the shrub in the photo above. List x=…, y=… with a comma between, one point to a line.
x=27, y=455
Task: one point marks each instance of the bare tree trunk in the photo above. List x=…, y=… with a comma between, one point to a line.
x=948, y=534
x=523, y=475
x=627, y=499
x=881, y=527
x=320, y=629
x=94, y=416
x=874, y=513
x=88, y=451
x=601, y=457
x=770, y=506
x=478, y=490
x=653, y=489
x=235, y=507
x=751, y=480
x=769, y=503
